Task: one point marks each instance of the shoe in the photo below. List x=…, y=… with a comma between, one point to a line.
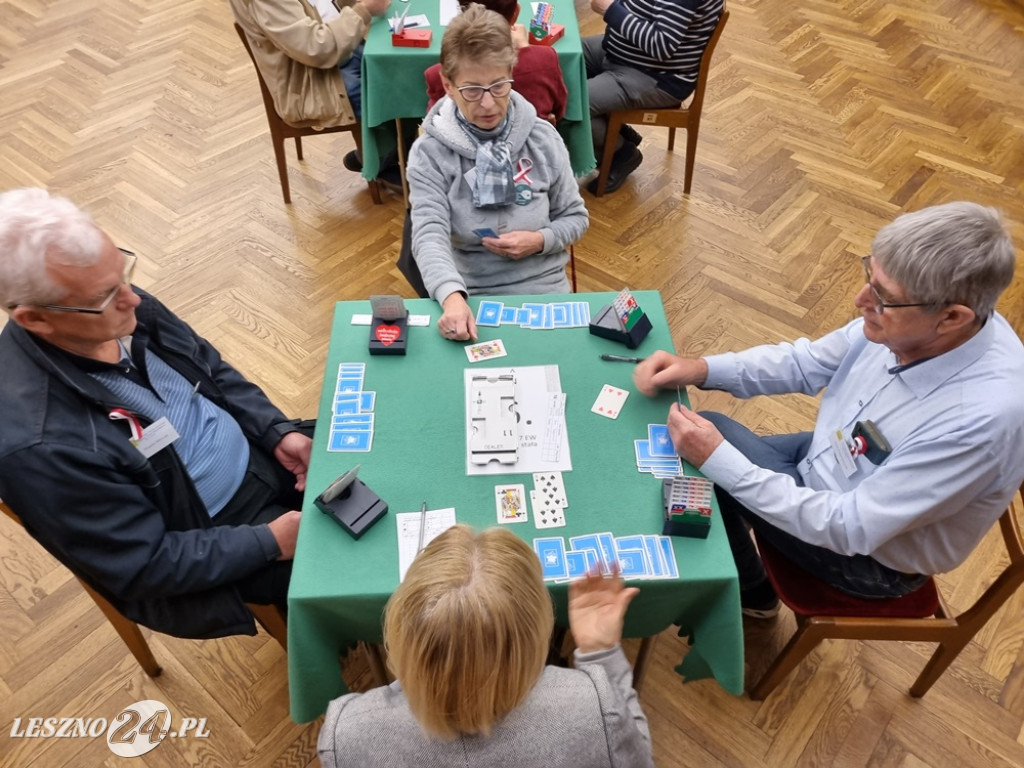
x=630, y=135
x=352, y=161
x=759, y=602
x=626, y=159
x=390, y=177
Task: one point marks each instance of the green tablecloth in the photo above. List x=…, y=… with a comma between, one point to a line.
x=393, y=84
x=340, y=585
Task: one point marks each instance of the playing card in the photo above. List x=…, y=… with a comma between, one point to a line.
x=633, y=563
x=366, y=400
x=510, y=501
x=549, y=486
x=655, y=556
x=350, y=385
x=609, y=402
x=590, y=543
x=669, y=557
x=576, y=563
x=489, y=313
x=536, y=316
x=485, y=350
x=355, y=422
x=508, y=315
x=607, y=543
x=346, y=403
x=660, y=442
x=545, y=514
x=350, y=441
x=552, y=558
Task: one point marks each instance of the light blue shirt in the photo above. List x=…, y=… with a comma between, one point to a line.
x=955, y=424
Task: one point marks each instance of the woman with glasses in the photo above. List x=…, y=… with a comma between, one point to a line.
x=495, y=205
x=467, y=634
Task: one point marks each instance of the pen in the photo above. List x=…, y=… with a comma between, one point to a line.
x=423, y=524
x=621, y=359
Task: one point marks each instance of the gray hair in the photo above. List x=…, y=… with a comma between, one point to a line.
x=34, y=227
x=956, y=253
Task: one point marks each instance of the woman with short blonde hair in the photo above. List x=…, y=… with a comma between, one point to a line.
x=467, y=636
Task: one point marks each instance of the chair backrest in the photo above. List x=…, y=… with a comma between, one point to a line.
x=268, y=99
x=697, y=103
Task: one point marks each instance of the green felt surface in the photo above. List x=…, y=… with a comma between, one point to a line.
x=393, y=85
x=340, y=585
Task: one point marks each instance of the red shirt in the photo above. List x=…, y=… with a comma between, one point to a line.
x=538, y=79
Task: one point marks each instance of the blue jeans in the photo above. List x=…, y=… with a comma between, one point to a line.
x=858, y=575
x=352, y=76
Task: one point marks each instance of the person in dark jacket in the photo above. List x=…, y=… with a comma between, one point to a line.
x=130, y=450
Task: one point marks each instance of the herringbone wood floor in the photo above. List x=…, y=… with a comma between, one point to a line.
x=824, y=120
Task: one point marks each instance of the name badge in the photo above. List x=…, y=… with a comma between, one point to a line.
x=156, y=437
x=841, y=450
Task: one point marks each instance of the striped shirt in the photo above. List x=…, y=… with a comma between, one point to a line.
x=211, y=445
x=664, y=38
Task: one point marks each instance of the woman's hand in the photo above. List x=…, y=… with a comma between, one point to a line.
x=457, y=322
x=597, y=608
x=515, y=245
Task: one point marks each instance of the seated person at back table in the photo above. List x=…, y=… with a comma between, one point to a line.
x=486, y=161
x=176, y=537
x=467, y=635
x=930, y=363
x=537, y=73
x=311, y=67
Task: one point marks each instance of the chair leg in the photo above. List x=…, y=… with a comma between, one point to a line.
x=643, y=656
x=572, y=266
x=271, y=619
x=671, y=138
x=944, y=655
x=129, y=632
x=376, y=663
x=298, y=147
x=692, y=131
x=401, y=161
x=614, y=126
x=802, y=643
x=282, y=166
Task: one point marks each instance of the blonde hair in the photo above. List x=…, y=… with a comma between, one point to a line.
x=477, y=36
x=467, y=632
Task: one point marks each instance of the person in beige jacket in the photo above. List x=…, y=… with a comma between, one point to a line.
x=310, y=66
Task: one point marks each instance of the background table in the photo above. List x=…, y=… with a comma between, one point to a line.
x=393, y=84
x=339, y=585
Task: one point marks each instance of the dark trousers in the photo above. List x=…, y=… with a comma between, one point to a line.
x=857, y=575
x=266, y=493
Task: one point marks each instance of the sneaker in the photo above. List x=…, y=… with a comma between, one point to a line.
x=626, y=159
x=352, y=161
x=629, y=134
x=759, y=602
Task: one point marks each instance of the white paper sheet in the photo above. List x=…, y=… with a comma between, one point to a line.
x=408, y=525
x=541, y=421
x=449, y=10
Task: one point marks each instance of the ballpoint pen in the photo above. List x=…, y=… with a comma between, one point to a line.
x=423, y=524
x=621, y=359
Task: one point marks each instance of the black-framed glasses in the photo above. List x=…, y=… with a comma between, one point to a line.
x=498, y=90
x=881, y=304
x=129, y=268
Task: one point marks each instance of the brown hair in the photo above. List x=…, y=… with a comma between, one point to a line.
x=476, y=36
x=467, y=632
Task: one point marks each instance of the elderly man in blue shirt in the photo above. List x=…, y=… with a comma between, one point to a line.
x=935, y=369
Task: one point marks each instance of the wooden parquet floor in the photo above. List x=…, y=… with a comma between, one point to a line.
x=824, y=120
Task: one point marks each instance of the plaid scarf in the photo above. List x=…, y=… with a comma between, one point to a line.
x=493, y=187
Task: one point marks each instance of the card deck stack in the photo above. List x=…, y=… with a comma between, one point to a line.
x=559, y=314
x=352, y=416
x=656, y=455
x=638, y=557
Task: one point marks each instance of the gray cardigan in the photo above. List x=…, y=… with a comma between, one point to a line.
x=588, y=717
x=449, y=254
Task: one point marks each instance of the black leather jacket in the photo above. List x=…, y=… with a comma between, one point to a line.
x=133, y=528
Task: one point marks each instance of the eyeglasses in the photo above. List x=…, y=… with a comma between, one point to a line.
x=498, y=90
x=881, y=304
x=126, y=279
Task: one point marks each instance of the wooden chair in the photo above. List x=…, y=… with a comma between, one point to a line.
x=922, y=616
x=280, y=130
x=687, y=117
x=267, y=615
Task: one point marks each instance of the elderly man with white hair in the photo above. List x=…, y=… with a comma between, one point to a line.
x=919, y=440
x=130, y=449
